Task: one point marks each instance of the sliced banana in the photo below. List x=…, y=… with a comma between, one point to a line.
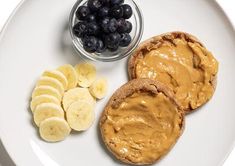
x=86, y=73
x=71, y=75
x=54, y=129
x=77, y=94
x=46, y=90
x=98, y=88
x=47, y=110
x=80, y=115
x=50, y=81
x=43, y=99
x=57, y=75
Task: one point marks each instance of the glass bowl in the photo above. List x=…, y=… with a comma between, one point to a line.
x=108, y=56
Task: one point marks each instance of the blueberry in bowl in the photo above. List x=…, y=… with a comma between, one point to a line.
x=105, y=30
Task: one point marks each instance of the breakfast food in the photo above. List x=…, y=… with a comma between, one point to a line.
x=141, y=122
x=54, y=129
x=58, y=103
x=43, y=99
x=80, y=115
x=46, y=90
x=49, y=81
x=77, y=94
x=103, y=24
x=71, y=75
x=181, y=62
x=57, y=75
x=86, y=74
x=47, y=110
x=98, y=88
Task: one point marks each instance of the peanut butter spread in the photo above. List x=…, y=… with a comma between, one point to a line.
x=186, y=67
x=142, y=128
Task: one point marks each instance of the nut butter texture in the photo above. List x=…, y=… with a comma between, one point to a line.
x=142, y=128
x=184, y=66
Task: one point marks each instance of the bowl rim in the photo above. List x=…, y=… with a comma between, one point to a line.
x=82, y=53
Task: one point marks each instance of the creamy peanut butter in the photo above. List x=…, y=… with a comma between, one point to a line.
x=142, y=128
x=186, y=67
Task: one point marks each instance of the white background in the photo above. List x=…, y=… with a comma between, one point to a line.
x=7, y=6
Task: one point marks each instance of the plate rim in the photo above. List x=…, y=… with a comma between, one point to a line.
x=13, y=157
x=2, y=32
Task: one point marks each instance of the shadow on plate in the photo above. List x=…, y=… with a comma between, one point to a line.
x=5, y=159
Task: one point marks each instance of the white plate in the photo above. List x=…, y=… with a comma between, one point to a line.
x=36, y=38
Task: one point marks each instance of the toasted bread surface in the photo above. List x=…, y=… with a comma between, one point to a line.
x=141, y=122
x=181, y=62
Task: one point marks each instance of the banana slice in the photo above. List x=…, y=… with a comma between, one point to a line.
x=71, y=75
x=86, y=73
x=47, y=110
x=50, y=81
x=80, y=115
x=98, y=89
x=43, y=99
x=76, y=94
x=57, y=75
x=46, y=90
x=54, y=129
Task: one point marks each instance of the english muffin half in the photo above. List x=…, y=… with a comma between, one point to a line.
x=141, y=122
x=179, y=61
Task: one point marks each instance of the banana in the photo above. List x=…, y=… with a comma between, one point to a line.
x=54, y=129
x=76, y=94
x=86, y=73
x=98, y=88
x=80, y=115
x=57, y=75
x=46, y=90
x=71, y=75
x=50, y=81
x=43, y=99
x=47, y=110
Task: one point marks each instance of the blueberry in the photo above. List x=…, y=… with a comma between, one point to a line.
x=90, y=18
x=124, y=26
x=112, y=40
x=82, y=12
x=116, y=11
x=104, y=23
x=80, y=29
x=116, y=2
x=109, y=25
x=113, y=25
x=100, y=46
x=105, y=2
x=128, y=27
x=90, y=43
x=93, y=29
x=94, y=5
x=125, y=40
x=121, y=25
x=83, y=38
x=103, y=12
x=127, y=11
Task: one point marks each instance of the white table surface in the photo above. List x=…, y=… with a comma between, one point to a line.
x=7, y=6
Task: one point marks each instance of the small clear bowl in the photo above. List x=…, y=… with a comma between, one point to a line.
x=122, y=52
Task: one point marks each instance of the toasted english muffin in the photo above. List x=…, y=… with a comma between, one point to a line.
x=141, y=122
x=179, y=61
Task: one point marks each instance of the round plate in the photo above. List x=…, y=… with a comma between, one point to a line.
x=37, y=38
